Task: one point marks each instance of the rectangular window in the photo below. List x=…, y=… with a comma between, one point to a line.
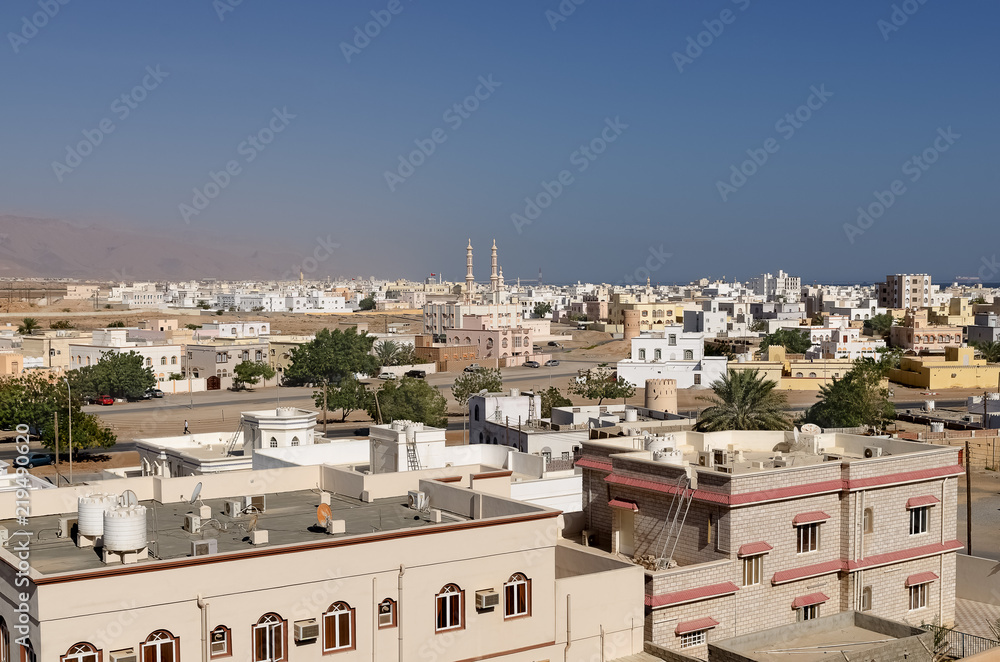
x=808, y=613
x=918, y=520
x=866, y=598
x=692, y=639
x=697, y=379
x=752, y=567
x=918, y=596
x=808, y=538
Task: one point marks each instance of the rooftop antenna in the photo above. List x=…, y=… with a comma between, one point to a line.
x=128, y=498
x=195, y=494
x=323, y=514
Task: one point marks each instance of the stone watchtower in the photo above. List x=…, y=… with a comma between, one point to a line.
x=632, y=329
x=661, y=395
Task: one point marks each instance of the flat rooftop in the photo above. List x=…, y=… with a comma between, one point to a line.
x=288, y=517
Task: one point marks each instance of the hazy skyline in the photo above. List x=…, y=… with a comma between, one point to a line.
x=629, y=118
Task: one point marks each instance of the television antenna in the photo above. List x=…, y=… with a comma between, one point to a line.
x=128, y=498
x=323, y=514
x=195, y=494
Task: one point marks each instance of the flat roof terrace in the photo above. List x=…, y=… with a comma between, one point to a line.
x=289, y=518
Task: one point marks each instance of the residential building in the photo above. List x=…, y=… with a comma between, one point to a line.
x=905, y=291
x=219, y=359
x=780, y=287
x=986, y=328
x=918, y=335
x=776, y=528
x=710, y=320
x=671, y=354
x=51, y=346
x=958, y=368
x=164, y=359
x=846, y=343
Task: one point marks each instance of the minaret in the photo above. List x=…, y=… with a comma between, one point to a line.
x=470, y=281
x=493, y=268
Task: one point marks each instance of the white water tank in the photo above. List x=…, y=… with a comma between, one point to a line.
x=515, y=392
x=286, y=412
x=658, y=444
x=125, y=528
x=90, y=512
x=937, y=426
x=631, y=415
x=928, y=405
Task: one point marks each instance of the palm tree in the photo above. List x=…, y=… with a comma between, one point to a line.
x=989, y=350
x=744, y=400
x=387, y=352
x=28, y=324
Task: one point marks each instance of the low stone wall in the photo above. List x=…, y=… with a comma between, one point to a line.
x=984, y=448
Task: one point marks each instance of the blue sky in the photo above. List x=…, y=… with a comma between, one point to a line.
x=887, y=94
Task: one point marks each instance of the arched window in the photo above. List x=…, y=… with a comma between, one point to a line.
x=812, y=374
x=868, y=522
x=88, y=360
x=657, y=355
x=149, y=362
x=642, y=355
x=517, y=596
x=163, y=360
x=476, y=412
x=338, y=628
x=81, y=652
x=866, y=598
x=798, y=374
x=450, y=604
x=270, y=639
x=503, y=343
x=387, y=614
x=173, y=360
x=273, y=442
x=27, y=652
x=688, y=355
x=295, y=441
x=161, y=646
x=672, y=339
x=489, y=343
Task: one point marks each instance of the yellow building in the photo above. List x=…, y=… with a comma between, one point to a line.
x=653, y=315
x=11, y=363
x=958, y=368
x=796, y=374
x=957, y=312
x=279, y=352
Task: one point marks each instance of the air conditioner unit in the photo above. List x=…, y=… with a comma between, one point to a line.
x=192, y=523
x=220, y=643
x=123, y=655
x=705, y=459
x=306, y=630
x=487, y=599
x=233, y=508
x=255, y=503
x=416, y=500
x=873, y=451
x=724, y=468
x=205, y=547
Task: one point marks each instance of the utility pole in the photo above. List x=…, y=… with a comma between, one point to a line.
x=968, y=500
x=56, y=415
x=326, y=385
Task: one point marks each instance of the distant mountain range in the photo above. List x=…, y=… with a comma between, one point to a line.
x=51, y=248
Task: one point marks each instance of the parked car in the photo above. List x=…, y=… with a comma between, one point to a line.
x=155, y=393
x=551, y=363
x=553, y=343
x=105, y=400
x=38, y=460
x=416, y=374
x=532, y=364
x=472, y=367
x=386, y=375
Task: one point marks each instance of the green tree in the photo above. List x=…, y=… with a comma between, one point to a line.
x=817, y=320
x=468, y=383
x=330, y=357
x=880, y=324
x=348, y=396
x=858, y=398
x=794, y=341
x=715, y=349
x=27, y=325
x=988, y=349
x=758, y=326
x=88, y=432
x=118, y=374
x=553, y=397
x=743, y=400
x=368, y=303
x=600, y=383
x=193, y=327
x=387, y=352
x=203, y=304
x=33, y=400
x=978, y=299
x=542, y=308
x=117, y=324
x=409, y=399
x=249, y=373
x=61, y=324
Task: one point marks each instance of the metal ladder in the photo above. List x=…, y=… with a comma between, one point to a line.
x=231, y=446
x=676, y=516
x=412, y=459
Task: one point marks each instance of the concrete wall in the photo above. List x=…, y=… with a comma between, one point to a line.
x=977, y=579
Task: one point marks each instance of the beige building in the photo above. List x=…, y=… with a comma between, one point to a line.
x=652, y=315
x=52, y=346
x=905, y=291
x=744, y=531
x=794, y=373
x=279, y=352
x=915, y=333
x=298, y=564
x=958, y=368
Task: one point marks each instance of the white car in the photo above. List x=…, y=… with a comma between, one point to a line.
x=386, y=375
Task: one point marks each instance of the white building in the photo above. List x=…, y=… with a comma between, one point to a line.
x=671, y=354
x=846, y=343
x=782, y=286
x=164, y=359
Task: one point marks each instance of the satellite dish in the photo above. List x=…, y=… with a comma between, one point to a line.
x=195, y=493
x=129, y=498
x=323, y=513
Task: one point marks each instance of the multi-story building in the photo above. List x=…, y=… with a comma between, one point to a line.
x=780, y=287
x=301, y=563
x=846, y=343
x=916, y=334
x=164, y=359
x=220, y=358
x=905, y=291
x=52, y=347
x=671, y=354
x=985, y=329
x=775, y=528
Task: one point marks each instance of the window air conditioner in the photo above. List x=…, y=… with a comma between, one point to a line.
x=385, y=620
x=258, y=503
x=306, y=630
x=219, y=644
x=205, y=547
x=873, y=451
x=123, y=655
x=487, y=599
